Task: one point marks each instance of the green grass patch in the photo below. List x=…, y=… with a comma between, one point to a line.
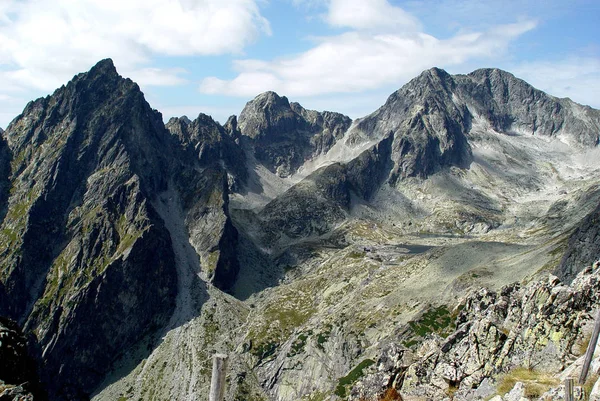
x=352, y=377
x=437, y=320
x=357, y=255
x=298, y=345
x=265, y=350
x=323, y=337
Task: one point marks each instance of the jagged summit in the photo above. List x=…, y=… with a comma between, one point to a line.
x=104, y=67
x=270, y=99
x=284, y=135
x=262, y=112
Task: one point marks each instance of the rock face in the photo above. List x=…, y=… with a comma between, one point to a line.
x=512, y=105
x=285, y=135
x=583, y=247
x=431, y=115
x=324, y=199
x=211, y=143
x=214, y=166
x=429, y=128
x=87, y=262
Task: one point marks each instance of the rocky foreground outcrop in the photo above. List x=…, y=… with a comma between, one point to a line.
x=532, y=334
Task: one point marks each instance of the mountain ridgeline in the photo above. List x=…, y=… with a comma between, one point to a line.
x=117, y=229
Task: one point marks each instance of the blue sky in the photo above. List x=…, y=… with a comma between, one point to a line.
x=212, y=56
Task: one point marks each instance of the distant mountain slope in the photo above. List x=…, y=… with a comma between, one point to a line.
x=430, y=126
x=583, y=247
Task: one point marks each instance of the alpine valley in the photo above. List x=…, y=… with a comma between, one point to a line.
x=442, y=247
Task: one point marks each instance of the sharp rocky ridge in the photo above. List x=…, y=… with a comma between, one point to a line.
x=310, y=247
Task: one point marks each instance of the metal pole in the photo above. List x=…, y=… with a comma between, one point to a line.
x=590, y=351
x=217, y=383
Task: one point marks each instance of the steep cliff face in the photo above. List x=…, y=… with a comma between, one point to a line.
x=87, y=263
x=285, y=135
x=429, y=128
x=215, y=166
x=431, y=117
x=512, y=105
x=583, y=247
x=211, y=144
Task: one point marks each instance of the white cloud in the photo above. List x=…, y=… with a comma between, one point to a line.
x=574, y=77
x=359, y=60
x=370, y=15
x=10, y=107
x=158, y=76
x=43, y=43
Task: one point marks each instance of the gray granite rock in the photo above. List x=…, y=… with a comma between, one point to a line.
x=285, y=135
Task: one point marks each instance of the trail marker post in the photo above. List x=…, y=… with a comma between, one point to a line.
x=569, y=389
x=589, y=354
x=217, y=383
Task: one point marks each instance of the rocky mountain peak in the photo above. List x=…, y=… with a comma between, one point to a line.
x=84, y=164
x=203, y=130
x=429, y=127
x=231, y=126
x=209, y=143
x=103, y=68
x=267, y=115
x=270, y=99
x=433, y=74
x=513, y=106
x=285, y=135
x=493, y=74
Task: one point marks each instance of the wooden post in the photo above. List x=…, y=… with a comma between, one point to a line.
x=590, y=351
x=217, y=383
x=569, y=389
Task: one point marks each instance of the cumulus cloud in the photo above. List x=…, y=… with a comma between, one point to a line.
x=361, y=59
x=43, y=43
x=370, y=15
x=158, y=76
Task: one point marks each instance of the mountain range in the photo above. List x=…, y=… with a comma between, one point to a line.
x=329, y=258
